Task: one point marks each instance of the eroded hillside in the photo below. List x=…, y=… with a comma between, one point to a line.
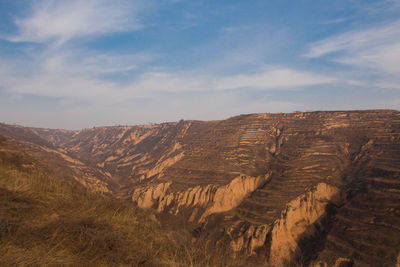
x=315, y=188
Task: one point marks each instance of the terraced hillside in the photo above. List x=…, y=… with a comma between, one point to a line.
x=24, y=148
x=312, y=188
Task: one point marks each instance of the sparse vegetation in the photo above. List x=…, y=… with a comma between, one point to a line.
x=48, y=221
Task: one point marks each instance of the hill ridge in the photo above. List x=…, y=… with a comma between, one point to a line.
x=233, y=179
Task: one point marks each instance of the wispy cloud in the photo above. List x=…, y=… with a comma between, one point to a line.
x=234, y=29
x=60, y=21
x=94, y=80
x=59, y=76
x=360, y=41
x=70, y=75
x=80, y=74
x=337, y=21
x=275, y=78
x=384, y=7
x=373, y=51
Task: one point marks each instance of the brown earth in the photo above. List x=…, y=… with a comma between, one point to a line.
x=313, y=188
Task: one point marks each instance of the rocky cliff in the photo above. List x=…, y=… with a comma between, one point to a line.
x=312, y=188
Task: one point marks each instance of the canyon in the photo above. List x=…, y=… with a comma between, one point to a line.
x=317, y=188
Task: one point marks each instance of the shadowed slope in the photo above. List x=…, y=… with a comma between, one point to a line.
x=312, y=177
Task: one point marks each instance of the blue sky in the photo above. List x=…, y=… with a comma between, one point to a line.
x=76, y=64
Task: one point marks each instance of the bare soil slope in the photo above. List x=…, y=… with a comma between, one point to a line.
x=314, y=188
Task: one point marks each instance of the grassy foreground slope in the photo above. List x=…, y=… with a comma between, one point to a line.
x=48, y=221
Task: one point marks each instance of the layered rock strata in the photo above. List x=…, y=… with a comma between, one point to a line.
x=306, y=188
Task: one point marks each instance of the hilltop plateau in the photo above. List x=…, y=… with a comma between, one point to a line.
x=303, y=188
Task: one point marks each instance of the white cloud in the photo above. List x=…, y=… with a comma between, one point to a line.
x=169, y=82
x=60, y=21
x=234, y=29
x=80, y=77
x=85, y=80
x=389, y=85
x=376, y=48
x=385, y=58
x=65, y=72
x=271, y=79
x=277, y=78
x=68, y=75
x=337, y=21
x=373, y=53
x=353, y=41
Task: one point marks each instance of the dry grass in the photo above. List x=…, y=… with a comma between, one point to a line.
x=46, y=221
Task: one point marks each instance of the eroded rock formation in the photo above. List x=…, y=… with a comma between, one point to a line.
x=311, y=188
x=211, y=198
x=298, y=220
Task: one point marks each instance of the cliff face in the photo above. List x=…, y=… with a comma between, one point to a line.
x=299, y=220
x=211, y=198
x=311, y=188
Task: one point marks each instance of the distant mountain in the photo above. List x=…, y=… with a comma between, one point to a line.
x=304, y=188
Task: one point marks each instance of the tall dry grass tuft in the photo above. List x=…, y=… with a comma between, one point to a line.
x=49, y=221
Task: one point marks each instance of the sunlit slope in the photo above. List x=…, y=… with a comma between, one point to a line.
x=48, y=221
x=322, y=185
x=25, y=149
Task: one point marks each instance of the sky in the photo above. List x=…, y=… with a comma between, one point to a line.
x=83, y=63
